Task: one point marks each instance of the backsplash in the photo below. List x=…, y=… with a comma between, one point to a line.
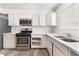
x=74, y=32
x=34, y=29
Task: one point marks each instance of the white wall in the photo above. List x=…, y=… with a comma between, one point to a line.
x=27, y=11
x=68, y=20
x=1, y=10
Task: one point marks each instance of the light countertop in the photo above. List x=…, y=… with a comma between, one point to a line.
x=37, y=33
x=41, y=33
x=74, y=46
x=9, y=33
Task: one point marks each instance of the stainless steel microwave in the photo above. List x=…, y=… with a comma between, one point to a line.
x=25, y=22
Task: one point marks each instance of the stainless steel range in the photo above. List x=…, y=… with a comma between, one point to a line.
x=23, y=41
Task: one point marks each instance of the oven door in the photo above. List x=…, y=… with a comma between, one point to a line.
x=23, y=41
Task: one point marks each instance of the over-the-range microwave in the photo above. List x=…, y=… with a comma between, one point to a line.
x=25, y=22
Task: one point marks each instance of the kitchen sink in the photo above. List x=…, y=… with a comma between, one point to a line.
x=61, y=37
x=66, y=39
x=70, y=40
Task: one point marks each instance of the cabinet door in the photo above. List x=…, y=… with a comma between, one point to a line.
x=51, y=19
x=44, y=41
x=35, y=20
x=10, y=19
x=48, y=19
x=54, y=19
x=16, y=20
x=42, y=20
x=62, y=47
x=49, y=47
x=9, y=41
x=6, y=41
x=57, y=52
x=12, y=40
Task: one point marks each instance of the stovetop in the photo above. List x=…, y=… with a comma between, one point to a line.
x=24, y=34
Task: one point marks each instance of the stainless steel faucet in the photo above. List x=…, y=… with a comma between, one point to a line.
x=68, y=34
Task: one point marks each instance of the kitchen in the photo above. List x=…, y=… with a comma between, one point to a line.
x=40, y=29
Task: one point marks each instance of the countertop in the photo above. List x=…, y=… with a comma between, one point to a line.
x=9, y=33
x=42, y=33
x=74, y=46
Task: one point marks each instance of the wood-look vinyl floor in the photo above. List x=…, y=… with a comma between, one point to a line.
x=32, y=52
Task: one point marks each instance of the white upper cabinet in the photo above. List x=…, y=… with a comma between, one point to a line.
x=39, y=20
x=42, y=19
x=10, y=20
x=51, y=19
x=35, y=20
x=48, y=20
x=54, y=19
x=13, y=20
x=16, y=20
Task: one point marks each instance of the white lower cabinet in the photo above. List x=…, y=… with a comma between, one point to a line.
x=57, y=52
x=54, y=47
x=47, y=44
x=9, y=41
x=49, y=47
x=36, y=41
x=62, y=47
x=44, y=41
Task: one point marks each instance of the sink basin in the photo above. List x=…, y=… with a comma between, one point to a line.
x=60, y=37
x=70, y=40
x=66, y=39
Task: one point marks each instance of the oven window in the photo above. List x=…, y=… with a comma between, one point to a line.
x=22, y=40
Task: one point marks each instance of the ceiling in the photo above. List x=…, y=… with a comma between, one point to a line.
x=30, y=5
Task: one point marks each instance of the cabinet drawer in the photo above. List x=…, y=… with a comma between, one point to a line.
x=49, y=47
x=36, y=36
x=62, y=47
